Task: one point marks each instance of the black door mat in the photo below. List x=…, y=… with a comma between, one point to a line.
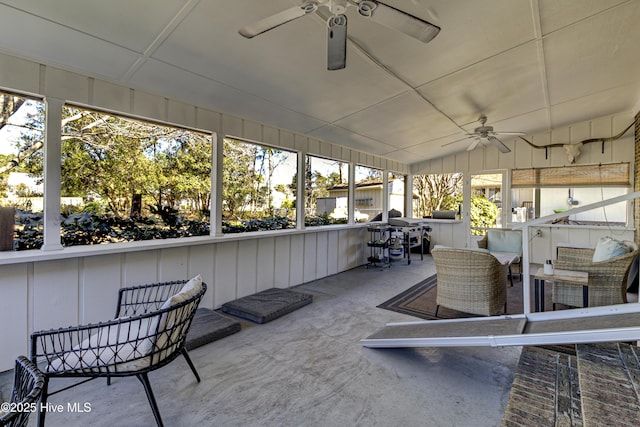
x=267, y=305
x=208, y=326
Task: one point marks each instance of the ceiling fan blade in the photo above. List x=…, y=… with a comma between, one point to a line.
x=278, y=19
x=499, y=144
x=510, y=133
x=337, y=43
x=398, y=20
x=474, y=144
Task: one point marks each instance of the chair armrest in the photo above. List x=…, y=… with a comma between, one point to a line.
x=575, y=255
x=611, y=268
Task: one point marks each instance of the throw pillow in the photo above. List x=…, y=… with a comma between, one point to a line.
x=608, y=248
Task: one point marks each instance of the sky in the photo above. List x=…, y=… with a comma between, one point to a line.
x=9, y=134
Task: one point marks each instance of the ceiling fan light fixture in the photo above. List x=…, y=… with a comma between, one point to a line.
x=338, y=7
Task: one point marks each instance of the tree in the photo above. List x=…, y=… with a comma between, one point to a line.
x=436, y=192
x=9, y=105
x=32, y=132
x=237, y=178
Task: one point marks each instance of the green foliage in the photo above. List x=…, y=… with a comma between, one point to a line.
x=483, y=213
x=87, y=228
x=264, y=224
x=314, y=221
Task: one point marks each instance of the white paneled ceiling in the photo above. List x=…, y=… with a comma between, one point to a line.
x=529, y=65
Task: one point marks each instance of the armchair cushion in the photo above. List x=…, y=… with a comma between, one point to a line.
x=608, y=248
x=110, y=345
x=504, y=241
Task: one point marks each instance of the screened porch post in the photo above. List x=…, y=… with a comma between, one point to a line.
x=52, y=173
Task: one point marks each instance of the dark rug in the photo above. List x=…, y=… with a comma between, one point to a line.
x=267, y=305
x=208, y=326
x=420, y=301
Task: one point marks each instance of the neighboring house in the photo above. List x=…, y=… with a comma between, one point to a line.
x=368, y=197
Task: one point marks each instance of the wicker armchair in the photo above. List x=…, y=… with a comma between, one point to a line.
x=27, y=389
x=149, y=331
x=470, y=280
x=607, y=279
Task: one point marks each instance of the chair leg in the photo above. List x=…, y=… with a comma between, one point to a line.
x=510, y=276
x=43, y=402
x=437, y=308
x=188, y=359
x=144, y=379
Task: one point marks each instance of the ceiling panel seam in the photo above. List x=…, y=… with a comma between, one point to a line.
x=396, y=76
x=542, y=65
x=160, y=38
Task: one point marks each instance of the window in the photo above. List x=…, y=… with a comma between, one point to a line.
x=129, y=180
x=21, y=179
x=436, y=192
x=259, y=187
x=326, y=191
x=545, y=191
x=368, y=194
x=396, y=194
x=486, y=202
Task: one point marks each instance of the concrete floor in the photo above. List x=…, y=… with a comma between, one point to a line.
x=309, y=369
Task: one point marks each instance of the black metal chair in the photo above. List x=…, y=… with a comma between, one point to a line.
x=149, y=331
x=28, y=382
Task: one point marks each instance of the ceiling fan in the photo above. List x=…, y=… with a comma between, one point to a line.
x=485, y=134
x=337, y=23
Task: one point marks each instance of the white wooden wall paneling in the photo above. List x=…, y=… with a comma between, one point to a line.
x=247, y=267
x=265, y=264
x=310, y=257
x=332, y=252
x=322, y=242
x=100, y=279
x=296, y=260
x=56, y=294
x=15, y=313
x=173, y=264
x=202, y=261
x=282, y=262
x=226, y=266
x=140, y=268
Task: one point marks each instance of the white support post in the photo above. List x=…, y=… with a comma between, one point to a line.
x=385, y=195
x=215, y=216
x=351, y=202
x=301, y=185
x=526, y=276
x=408, y=196
x=52, y=173
x=466, y=207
